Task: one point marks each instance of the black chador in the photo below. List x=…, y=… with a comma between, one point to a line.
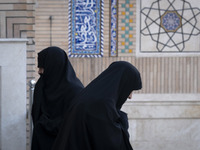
x=53, y=94
x=95, y=121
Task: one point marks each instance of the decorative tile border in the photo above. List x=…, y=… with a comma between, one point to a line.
x=113, y=29
x=86, y=28
x=126, y=36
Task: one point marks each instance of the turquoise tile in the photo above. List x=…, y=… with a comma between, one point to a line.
x=127, y=2
x=127, y=47
x=130, y=43
x=123, y=35
x=131, y=28
x=126, y=32
x=123, y=5
x=123, y=20
x=127, y=16
x=126, y=39
x=123, y=51
x=127, y=9
x=130, y=13
x=127, y=24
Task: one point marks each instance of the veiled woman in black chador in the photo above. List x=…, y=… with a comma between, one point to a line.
x=53, y=94
x=95, y=121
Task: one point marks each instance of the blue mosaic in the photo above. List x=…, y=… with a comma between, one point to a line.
x=113, y=32
x=171, y=21
x=86, y=38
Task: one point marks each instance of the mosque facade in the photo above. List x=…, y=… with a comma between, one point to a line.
x=160, y=37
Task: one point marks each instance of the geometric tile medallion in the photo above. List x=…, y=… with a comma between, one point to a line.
x=171, y=21
x=169, y=26
x=86, y=28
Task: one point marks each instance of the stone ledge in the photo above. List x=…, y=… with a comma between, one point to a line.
x=13, y=40
x=164, y=98
x=163, y=106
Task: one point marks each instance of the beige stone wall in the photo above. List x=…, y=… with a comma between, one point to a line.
x=159, y=74
x=58, y=10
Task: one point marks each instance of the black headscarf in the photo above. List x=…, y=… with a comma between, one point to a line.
x=53, y=94
x=95, y=121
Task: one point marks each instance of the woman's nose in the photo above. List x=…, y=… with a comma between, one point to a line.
x=40, y=71
x=130, y=96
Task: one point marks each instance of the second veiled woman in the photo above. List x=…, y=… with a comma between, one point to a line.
x=95, y=121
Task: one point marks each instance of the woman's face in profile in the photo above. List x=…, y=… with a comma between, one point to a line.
x=40, y=70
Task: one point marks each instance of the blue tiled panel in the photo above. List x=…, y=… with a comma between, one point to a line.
x=85, y=22
x=113, y=41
